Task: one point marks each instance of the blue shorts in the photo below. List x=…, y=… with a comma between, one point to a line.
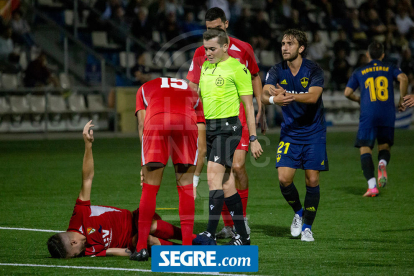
x=366, y=136
x=302, y=156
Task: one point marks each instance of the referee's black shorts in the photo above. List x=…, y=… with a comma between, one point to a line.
x=223, y=136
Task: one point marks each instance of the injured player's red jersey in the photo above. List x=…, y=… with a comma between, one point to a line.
x=103, y=226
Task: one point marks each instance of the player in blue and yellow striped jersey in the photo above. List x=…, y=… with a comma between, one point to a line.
x=377, y=117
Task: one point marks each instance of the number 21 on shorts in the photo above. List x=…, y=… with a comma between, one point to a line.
x=279, y=149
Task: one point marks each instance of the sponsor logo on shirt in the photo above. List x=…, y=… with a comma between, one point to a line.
x=304, y=82
x=284, y=82
x=216, y=158
x=90, y=230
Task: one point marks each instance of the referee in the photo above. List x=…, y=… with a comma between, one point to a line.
x=223, y=82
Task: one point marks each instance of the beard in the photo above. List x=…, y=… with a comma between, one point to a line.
x=292, y=57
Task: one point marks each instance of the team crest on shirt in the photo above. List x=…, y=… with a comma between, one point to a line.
x=278, y=158
x=304, y=82
x=90, y=230
x=219, y=81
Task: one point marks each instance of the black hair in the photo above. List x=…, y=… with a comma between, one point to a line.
x=212, y=33
x=56, y=247
x=375, y=50
x=300, y=36
x=215, y=13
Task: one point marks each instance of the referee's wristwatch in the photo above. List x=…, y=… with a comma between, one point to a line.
x=253, y=138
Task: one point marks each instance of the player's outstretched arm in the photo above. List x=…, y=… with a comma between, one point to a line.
x=255, y=147
x=349, y=93
x=409, y=101
x=123, y=252
x=141, y=119
x=311, y=97
x=273, y=95
x=403, y=79
x=88, y=166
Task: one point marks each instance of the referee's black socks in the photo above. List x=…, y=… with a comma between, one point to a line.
x=216, y=201
x=290, y=193
x=311, y=206
x=235, y=206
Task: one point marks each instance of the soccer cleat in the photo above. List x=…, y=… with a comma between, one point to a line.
x=382, y=175
x=225, y=233
x=307, y=235
x=140, y=256
x=371, y=192
x=237, y=240
x=296, y=226
x=204, y=240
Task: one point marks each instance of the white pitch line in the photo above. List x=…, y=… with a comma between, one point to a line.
x=30, y=229
x=116, y=269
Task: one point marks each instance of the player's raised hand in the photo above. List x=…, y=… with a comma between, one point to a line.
x=256, y=149
x=274, y=91
x=88, y=133
x=409, y=101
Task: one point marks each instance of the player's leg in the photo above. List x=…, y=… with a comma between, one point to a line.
x=152, y=179
x=184, y=174
x=154, y=157
x=234, y=203
x=311, y=203
x=365, y=142
x=241, y=179
x=384, y=156
x=385, y=141
x=184, y=155
x=315, y=159
x=291, y=195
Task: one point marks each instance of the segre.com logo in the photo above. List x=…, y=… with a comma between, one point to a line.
x=205, y=258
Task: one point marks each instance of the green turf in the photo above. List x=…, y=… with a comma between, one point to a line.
x=40, y=181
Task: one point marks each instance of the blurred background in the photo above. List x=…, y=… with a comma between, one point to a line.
x=64, y=62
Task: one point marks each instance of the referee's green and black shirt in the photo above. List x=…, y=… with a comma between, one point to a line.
x=221, y=86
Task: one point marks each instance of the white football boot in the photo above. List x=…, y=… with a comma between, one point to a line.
x=296, y=226
x=307, y=235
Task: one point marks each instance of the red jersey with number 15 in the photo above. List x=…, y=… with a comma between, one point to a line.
x=242, y=51
x=169, y=95
x=103, y=226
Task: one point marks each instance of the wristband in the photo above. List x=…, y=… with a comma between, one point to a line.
x=195, y=180
x=271, y=100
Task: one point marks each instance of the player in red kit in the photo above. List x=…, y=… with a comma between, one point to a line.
x=103, y=230
x=242, y=51
x=169, y=114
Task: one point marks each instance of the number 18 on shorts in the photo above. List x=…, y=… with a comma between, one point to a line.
x=302, y=156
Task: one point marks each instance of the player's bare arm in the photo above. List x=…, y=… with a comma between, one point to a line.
x=349, y=93
x=280, y=98
x=88, y=166
x=202, y=151
x=409, y=101
x=123, y=252
x=403, y=79
x=257, y=91
x=311, y=97
x=255, y=145
x=193, y=86
x=141, y=120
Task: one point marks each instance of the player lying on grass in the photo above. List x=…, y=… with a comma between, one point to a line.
x=103, y=230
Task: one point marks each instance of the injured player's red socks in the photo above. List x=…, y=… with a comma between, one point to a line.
x=244, y=194
x=167, y=231
x=227, y=219
x=146, y=212
x=186, y=210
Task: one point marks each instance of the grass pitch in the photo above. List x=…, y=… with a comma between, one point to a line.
x=40, y=181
